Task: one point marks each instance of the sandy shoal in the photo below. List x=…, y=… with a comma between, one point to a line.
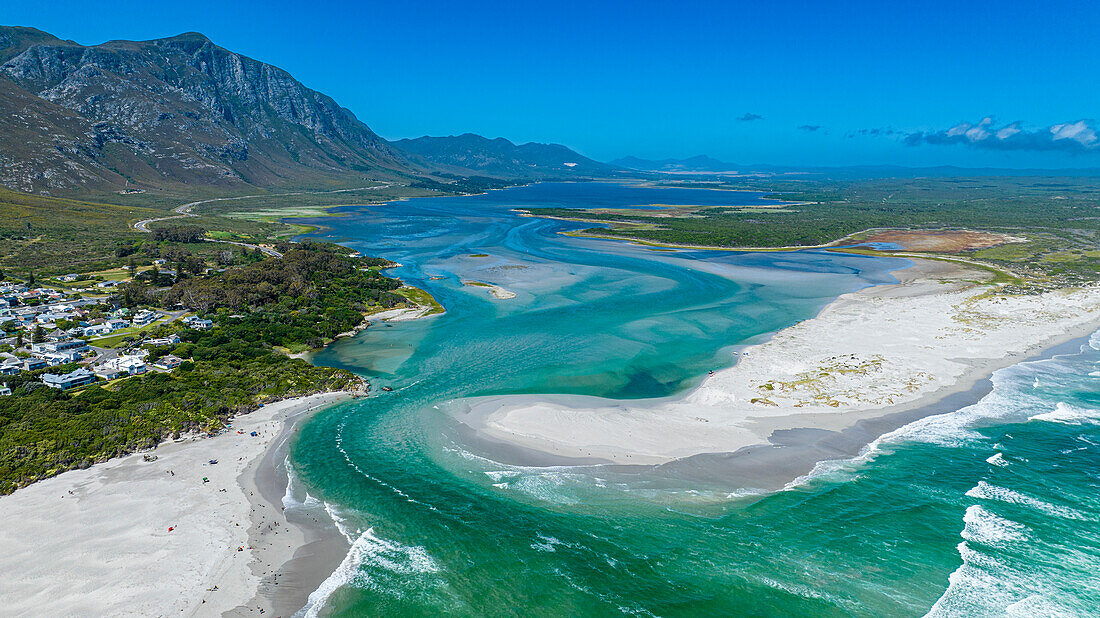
x=875, y=353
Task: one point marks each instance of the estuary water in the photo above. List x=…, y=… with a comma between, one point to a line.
x=988, y=510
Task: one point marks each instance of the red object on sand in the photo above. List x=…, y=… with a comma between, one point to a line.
x=171, y=528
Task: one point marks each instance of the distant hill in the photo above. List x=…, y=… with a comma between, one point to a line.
x=704, y=165
x=179, y=110
x=500, y=157
x=701, y=163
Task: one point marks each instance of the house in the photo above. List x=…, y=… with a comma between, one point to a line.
x=4, y=390
x=168, y=362
x=133, y=365
x=145, y=317
x=198, y=323
x=121, y=367
x=60, y=358
x=68, y=278
x=33, y=364
x=66, y=381
x=117, y=323
x=106, y=284
x=160, y=261
x=169, y=340
x=98, y=330
x=10, y=368
x=109, y=371
x=52, y=347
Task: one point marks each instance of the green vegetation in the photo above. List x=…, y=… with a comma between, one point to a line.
x=179, y=233
x=420, y=297
x=314, y=292
x=56, y=236
x=59, y=235
x=44, y=432
x=1060, y=217
x=296, y=302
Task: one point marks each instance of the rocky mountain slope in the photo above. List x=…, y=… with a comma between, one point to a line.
x=180, y=110
x=500, y=157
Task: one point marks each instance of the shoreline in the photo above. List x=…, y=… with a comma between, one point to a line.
x=815, y=408
x=314, y=547
x=222, y=544
x=132, y=521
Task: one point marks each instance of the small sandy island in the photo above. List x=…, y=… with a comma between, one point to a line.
x=890, y=351
x=131, y=537
x=498, y=292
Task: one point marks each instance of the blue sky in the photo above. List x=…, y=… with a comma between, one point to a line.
x=925, y=83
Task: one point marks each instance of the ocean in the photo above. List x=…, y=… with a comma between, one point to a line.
x=988, y=510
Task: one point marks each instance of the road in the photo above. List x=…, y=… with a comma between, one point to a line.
x=184, y=211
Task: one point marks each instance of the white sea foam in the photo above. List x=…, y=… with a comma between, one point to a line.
x=500, y=475
x=369, y=557
x=971, y=587
x=1069, y=415
x=1006, y=401
x=997, y=459
x=986, y=491
x=545, y=543
x=367, y=475
x=341, y=523
x=982, y=526
x=986, y=586
x=830, y=468
x=289, y=500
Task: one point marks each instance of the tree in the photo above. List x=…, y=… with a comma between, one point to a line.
x=132, y=266
x=39, y=334
x=2, y=274
x=30, y=280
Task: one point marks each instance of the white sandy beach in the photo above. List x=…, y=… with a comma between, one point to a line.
x=884, y=349
x=96, y=542
x=496, y=291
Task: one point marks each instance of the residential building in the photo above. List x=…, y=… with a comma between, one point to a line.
x=4, y=390
x=133, y=365
x=109, y=371
x=33, y=364
x=145, y=317
x=198, y=323
x=66, y=381
x=98, y=330
x=168, y=362
x=52, y=347
x=59, y=358
x=169, y=340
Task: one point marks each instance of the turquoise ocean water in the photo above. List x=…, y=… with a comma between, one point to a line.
x=988, y=510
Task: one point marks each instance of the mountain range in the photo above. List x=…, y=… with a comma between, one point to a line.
x=500, y=157
x=183, y=111
x=697, y=164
